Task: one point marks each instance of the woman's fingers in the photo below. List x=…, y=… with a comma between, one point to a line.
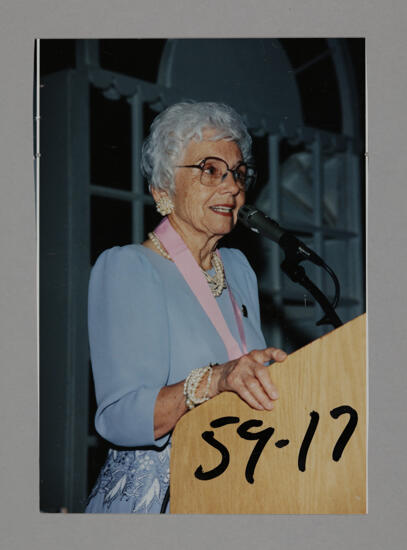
x=263, y=376
x=247, y=395
x=264, y=390
x=250, y=379
x=264, y=396
x=267, y=354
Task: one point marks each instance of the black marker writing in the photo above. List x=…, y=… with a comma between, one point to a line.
x=281, y=443
x=306, y=442
x=209, y=438
x=263, y=436
x=347, y=432
x=221, y=467
x=224, y=420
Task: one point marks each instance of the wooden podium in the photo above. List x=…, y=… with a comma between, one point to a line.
x=307, y=456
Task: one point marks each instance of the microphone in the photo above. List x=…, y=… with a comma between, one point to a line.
x=257, y=221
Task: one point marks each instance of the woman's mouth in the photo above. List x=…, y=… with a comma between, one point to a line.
x=223, y=209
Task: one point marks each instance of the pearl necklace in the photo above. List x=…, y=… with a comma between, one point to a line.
x=216, y=282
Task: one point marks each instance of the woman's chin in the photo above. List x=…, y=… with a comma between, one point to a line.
x=222, y=222
x=224, y=229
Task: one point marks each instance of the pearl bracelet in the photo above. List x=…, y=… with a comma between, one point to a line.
x=192, y=382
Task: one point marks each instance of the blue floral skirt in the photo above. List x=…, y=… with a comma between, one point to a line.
x=131, y=482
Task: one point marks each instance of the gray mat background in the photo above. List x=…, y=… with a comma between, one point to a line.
x=383, y=24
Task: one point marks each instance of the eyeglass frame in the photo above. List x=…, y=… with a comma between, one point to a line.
x=234, y=171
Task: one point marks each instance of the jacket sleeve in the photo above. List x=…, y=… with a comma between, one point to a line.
x=129, y=345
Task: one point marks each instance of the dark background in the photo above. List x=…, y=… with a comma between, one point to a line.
x=319, y=96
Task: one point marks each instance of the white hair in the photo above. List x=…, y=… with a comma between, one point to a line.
x=176, y=126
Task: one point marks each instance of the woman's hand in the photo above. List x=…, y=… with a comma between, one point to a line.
x=246, y=376
x=249, y=378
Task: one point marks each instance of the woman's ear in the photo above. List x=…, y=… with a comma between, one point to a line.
x=158, y=194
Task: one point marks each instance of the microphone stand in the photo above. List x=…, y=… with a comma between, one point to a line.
x=292, y=268
x=295, y=252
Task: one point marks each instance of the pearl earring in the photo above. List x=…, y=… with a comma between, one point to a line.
x=164, y=205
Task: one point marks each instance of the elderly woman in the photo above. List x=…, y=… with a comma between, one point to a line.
x=165, y=324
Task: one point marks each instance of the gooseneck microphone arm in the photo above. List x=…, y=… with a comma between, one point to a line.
x=292, y=268
x=295, y=253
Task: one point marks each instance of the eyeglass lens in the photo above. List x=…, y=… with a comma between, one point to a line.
x=215, y=170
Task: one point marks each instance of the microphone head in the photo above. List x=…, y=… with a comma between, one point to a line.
x=244, y=214
x=254, y=219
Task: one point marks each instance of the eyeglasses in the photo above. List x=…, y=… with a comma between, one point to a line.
x=215, y=170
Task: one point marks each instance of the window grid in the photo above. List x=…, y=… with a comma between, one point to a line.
x=137, y=178
x=275, y=334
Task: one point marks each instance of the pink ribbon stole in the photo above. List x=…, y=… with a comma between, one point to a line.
x=192, y=273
